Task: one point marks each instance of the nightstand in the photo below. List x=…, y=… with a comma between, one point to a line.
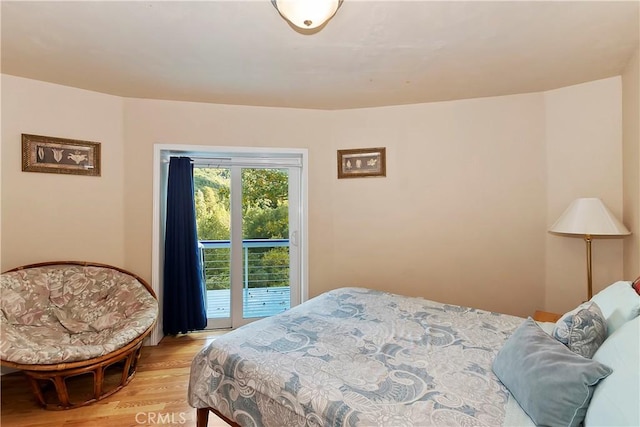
x=545, y=316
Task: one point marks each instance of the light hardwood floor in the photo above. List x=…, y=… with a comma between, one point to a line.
x=157, y=395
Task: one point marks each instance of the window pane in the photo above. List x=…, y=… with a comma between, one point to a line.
x=265, y=228
x=213, y=218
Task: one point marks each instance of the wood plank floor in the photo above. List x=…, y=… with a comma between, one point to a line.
x=157, y=395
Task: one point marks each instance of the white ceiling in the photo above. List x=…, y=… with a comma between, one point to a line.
x=372, y=53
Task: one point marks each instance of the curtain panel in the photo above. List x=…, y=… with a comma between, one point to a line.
x=183, y=296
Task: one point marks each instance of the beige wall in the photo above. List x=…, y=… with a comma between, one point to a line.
x=584, y=159
x=148, y=122
x=631, y=155
x=451, y=208
x=47, y=216
x=460, y=218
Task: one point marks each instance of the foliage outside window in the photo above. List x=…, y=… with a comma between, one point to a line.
x=265, y=209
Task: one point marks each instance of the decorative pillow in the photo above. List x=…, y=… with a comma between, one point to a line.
x=551, y=383
x=615, y=401
x=582, y=330
x=619, y=303
x=636, y=285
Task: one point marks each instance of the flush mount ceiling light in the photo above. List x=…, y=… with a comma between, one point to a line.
x=307, y=14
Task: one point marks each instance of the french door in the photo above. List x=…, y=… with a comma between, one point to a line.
x=251, y=260
x=256, y=264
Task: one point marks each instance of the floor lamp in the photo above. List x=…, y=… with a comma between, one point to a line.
x=589, y=218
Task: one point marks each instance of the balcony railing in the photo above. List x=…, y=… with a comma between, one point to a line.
x=265, y=276
x=258, y=302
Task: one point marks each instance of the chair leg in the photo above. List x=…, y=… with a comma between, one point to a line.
x=61, y=390
x=37, y=391
x=98, y=381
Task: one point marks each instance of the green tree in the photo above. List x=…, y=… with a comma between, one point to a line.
x=267, y=223
x=265, y=216
x=264, y=188
x=212, y=215
x=213, y=219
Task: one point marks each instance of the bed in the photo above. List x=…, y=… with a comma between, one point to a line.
x=361, y=357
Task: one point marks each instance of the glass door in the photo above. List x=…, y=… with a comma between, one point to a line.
x=265, y=242
x=248, y=232
x=213, y=218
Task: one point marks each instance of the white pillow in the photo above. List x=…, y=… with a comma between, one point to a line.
x=619, y=303
x=615, y=400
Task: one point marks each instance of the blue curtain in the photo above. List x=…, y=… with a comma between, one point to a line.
x=183, y=307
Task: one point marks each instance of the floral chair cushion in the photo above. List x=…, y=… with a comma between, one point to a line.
x=66, y=313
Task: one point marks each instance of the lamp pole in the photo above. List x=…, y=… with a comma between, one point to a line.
x=587, y=217
x=587, y=239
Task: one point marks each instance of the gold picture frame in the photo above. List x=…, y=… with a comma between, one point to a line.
x=362, y=162
x=60, y=155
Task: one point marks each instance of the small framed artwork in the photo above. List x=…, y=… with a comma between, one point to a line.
x=60, y=155
x=361, y=162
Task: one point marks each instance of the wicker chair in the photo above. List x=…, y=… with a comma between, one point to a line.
x=66, y=320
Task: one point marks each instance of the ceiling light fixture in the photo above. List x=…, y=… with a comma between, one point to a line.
x=307, y=14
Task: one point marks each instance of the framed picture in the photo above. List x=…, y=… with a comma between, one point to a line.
x=361, y=162
x=59, y=155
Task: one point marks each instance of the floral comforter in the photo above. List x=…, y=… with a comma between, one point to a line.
x=358, y=357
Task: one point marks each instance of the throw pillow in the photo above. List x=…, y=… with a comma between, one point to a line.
x=582, y=330
x=619, y=304
x=552, y=384
x=615, y=401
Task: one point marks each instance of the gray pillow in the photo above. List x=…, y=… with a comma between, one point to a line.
x=551, y=383
x=582, y=330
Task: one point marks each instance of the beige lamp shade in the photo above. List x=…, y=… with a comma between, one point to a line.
x=307, y=14
x=589, y=217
